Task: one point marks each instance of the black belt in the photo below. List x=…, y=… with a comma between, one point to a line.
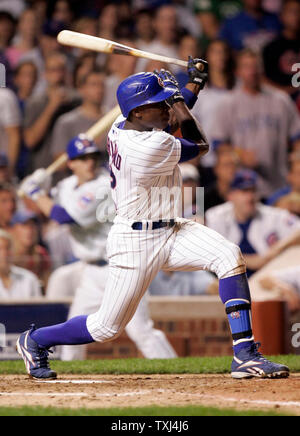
x=100, y=262
x=152, y=225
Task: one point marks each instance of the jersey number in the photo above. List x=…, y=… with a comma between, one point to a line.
x=113, y=180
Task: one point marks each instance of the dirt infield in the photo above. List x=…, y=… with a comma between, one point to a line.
x=144, y=390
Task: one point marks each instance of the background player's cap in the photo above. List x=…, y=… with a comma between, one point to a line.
x=142, y=89
x=80, y=146
x=244, y=179
x=189, y=172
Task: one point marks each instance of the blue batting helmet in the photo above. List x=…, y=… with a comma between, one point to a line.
x=141, y=89
x=80, y=146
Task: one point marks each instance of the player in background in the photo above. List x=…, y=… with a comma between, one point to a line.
x=149, y=234
x=81, y=201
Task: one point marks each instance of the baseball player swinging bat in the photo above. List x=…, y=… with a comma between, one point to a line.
x=87, y=42
x=96, y=130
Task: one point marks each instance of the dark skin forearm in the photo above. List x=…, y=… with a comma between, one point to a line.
x=193, y=87
x=189, y=127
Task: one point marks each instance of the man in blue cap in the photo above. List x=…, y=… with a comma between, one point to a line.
x=254, y=227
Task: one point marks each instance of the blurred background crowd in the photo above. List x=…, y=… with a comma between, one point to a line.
x=250, y=111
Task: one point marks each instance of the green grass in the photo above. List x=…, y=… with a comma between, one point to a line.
x=138, y=411
x=186, y=365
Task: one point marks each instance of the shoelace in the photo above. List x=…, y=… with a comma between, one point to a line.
x=43, y=361
x=255, y=353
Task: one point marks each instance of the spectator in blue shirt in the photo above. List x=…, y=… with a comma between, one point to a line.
x=251, y=28
x=289, y=196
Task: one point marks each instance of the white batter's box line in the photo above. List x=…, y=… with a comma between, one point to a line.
x=75, y=382
x=73, y=394
x=147, y=392
x=243, y=400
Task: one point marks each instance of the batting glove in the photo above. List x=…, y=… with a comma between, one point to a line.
x=170, y=82
x=31, y=189
x=42, y=179
x=37, y=184
x=195, y=75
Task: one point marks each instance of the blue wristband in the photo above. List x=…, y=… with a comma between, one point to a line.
x=189, y=97
x=189, y=150
x=60, y=215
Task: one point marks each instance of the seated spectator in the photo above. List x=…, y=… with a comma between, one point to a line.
x=251, y=28
x=183, y=283
x=27, y=252
x=188, y=46
x=25, y=39
x=62, y=12
x=225, y=169
x=84, y=64
x=7, y=29
x=42, y=111
x=7, y=205
x=187, y=19
x=143, y=26
x=14, y=7
x=259, y=122
x=87, y=25
x=83, y=117
x=40, y=8
x=282, y=53
x=211, y=13
x=108, y=22
x=289, y=197
x=118, y=67
x=5, y=176
x=25, y=79
x=220, y=81
x=256, y=228
x=10, y=123
x=285, y=284
x=47, y=45
x=166, y=30
x=15, y=283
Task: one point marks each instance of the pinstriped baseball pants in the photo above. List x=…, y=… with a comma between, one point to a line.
x=136, y=256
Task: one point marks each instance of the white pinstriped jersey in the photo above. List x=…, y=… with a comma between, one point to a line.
x=83, y=203
x=145, y=176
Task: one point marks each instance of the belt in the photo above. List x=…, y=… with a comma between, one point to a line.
x=100, y=262
x=152, y=225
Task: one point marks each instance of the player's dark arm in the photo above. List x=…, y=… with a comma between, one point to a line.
x=193, y=141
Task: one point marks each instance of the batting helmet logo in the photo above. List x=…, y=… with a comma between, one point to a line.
x=160, y=81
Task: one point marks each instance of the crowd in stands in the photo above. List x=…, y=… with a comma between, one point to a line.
x=249, y=110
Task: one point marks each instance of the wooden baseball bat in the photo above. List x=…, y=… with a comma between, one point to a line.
x=96, y=130
x=87, y=42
